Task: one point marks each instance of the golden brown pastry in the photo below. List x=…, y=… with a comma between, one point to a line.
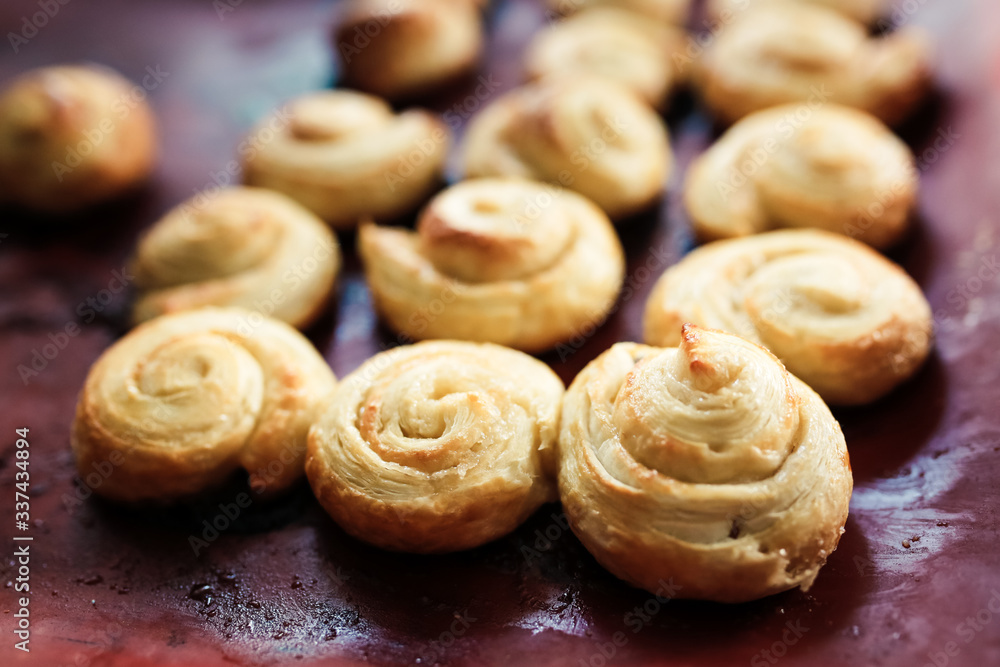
x=669, y=11
x=587, y=134
x=706, y=468
x=841, y=317
x=615, y=44
x=401, y=48
x=437, y=447
x=72, y=136
x=781, y=52
x=863, y=11
x=506, y=261
x=346, y=156
x=838, y=169
x=245, y=247
x=184, y=400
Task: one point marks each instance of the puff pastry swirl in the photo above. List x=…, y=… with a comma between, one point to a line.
x=402, y=48
x=184, y=400
x=706, y=466
x=841, y=317
x=838, y=169
x=72, y=136
x=612, y=43
x=437, y=447
x=245, y=247
x=781, y=52
x=346, y=155
x=587, y=134
x=507, y=261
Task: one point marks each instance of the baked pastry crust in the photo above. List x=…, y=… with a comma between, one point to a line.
x=782, y=52
x=184, y=400
x=507, y=261
x=587, y=134
x=862, y=11
x=437, y=447
x=837, y=169
x=72, y=136
x=346, y=156
x=402, y=48
x=840, y=316
x=615, y=44
x=707, y=467
x=245, y=247
x=667, y=11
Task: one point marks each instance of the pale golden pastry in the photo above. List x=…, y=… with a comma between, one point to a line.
x=245, y=247
x=401, y=48
x=705, y=469
x=72, y=136
x=615, y=44
x=782, y=52
x=669, y=11
x=863, y=11
x=184, y=400
x=837, y=169
x=346, y=156
x=507, y=261
x=840, y=316
x=585, y=133
x=437, y=447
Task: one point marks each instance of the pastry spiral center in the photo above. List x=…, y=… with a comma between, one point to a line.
x=707, y=412
x=491, y=230
x=328, y=118
x=204, y=386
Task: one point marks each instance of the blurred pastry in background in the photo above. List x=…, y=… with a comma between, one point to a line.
x=510, y=261
x=616, y=44
x=245, y=247
x=72, y=136
x=403, y=48
x=835, y=168
x=346, y=156
x=782, y=52
x=863, y=11
x=668, y=11
x=587, y=134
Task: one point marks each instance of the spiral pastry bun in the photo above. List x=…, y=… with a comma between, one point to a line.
x=615, y=44
x=437, y=447
x=73, y=136
x=588, y=134
x=707, y=466
x=662, y=11
x=838, y=169
x=245, y=247
x=402, y=48
x=346, y=155
x=841, y=317
x=782, y=52
x=862, y=11
x=506, y=261
x=184, y=400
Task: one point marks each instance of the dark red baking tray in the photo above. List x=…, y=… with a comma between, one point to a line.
x=117, y=586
